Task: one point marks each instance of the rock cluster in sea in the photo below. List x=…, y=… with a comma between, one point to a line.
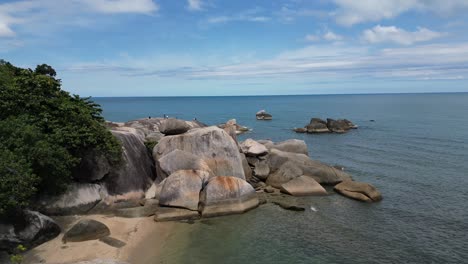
x=263, y=115
x=175, y=170
x=317, y=125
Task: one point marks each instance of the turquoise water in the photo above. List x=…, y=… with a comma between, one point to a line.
x=415, y=153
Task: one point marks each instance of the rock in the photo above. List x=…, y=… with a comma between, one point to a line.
x=86, y=229
x=261, y=170
x=269, y=189
x=30, y=229
x=317, y=125
x=247, y=170
x=154, y=137
x=288, y=171
x=79, y=198
x=300, y=164
x=180, y=160
x=148, y=209
x=137, y=173
x=182, y=189
x=211, y=144
x=231, y=129
x=93, y=166
x=263, y=115
x=174, y=214
x=151, y=192
x=359, y=191
x=225, y=195
x=300, y=129
x=289, y=206
x=251, y=147
x=302, y=186
x=292, y=145
x=337, y=126
x=350, y=124
x=113, y=242
x=173, y=126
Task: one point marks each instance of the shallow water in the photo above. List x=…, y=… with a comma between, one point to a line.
x=415, y=153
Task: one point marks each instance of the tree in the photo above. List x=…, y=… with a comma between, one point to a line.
x=45, y=70
x=44, y=133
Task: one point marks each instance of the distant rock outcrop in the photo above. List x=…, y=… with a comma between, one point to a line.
x=263, y=115
x=318, y=126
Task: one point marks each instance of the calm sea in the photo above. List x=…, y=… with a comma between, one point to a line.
x=415, y=153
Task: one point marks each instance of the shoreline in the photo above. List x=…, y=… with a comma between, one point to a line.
x=134, y=232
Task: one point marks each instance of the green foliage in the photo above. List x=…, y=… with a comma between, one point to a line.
x=17, y=258
x=44, y=132
x=150, y=145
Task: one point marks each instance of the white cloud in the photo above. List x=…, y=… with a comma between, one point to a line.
x=194, y=5
x=350, y=12
x=121, y=6
x=5, y=30
x=379, y=34
x=252, y=15
x=327, y=36
x=330, y=36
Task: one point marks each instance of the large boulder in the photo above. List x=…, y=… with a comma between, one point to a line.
x=359, y=191
x=302, y=186
x=79, y=198
x=180, y=160
x=172, y=126
x=317, y=125
x=211, y=144
x=93, y=167
x=136, y=173
x=247, y=170
x=251, y=147
x=292, y=145
x=30, y=229
x=86, y=229
x=296, y=165
x=155, y=125
x=182, y=189
x=225, y=195
x=263, y=115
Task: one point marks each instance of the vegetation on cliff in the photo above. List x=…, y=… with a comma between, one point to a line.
x=44, y=132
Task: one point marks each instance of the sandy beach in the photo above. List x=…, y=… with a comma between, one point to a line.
x=132, y=231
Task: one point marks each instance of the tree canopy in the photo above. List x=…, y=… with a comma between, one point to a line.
x=44, y=133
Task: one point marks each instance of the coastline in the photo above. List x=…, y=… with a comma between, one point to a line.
x=135, y=232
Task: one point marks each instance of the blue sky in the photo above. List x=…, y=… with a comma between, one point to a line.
x=214, y=47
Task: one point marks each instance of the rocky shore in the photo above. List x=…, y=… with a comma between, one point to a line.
x=179, y=170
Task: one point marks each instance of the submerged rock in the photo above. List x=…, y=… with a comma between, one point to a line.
x=225, y=195
x=182, y=189
x=359, y=191
x=302, y=186
x=289, y=206
x=211, y=144
x=30, y=229
x=86, y=229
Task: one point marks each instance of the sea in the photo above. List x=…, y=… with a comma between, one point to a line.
x=412, y=147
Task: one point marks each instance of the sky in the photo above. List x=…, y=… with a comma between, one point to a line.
x=227, y=47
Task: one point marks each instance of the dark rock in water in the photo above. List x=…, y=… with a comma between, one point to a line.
x=30, y=229
x=173, y=126
x=302, y=186
x=137, y=173
x=182, y=189
x=174, y=214
x=113, y=242
x=359, y=191
x=79, y=198
x=225, y=195
x=317, y=125
x=340, y=125
x=263, y=115
x=86, y=229
x=372, y=120
x=300, y=129
x=289, y=206
x=211, y=144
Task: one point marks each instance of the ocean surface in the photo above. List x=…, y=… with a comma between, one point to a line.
x=415, y=153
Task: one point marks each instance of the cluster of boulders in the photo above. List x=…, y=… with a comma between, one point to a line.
x=263, y=115
x=192, y=171
x=238, y=128
x=318, y=125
